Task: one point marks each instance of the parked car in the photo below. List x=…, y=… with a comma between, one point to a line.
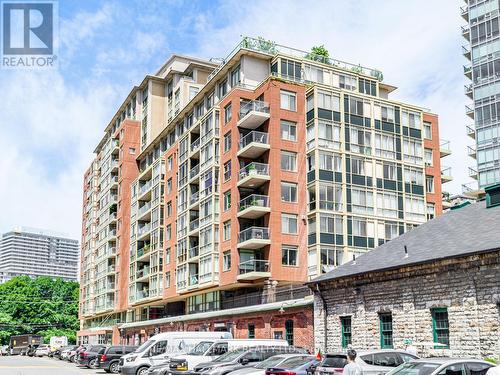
x=332, y=364
x=110, y=358
x=446, y=366
x=31, y=350
x=42, y=350
x=298, y=366
x=65, y=352
x=161, y=347
x=88, y=357
x=277, y=361
x=378, y=362
x=73, y=354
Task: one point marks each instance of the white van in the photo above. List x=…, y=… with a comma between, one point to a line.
x=160, y=348
x=207, y=351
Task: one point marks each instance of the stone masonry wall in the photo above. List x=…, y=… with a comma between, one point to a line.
x=468, y=287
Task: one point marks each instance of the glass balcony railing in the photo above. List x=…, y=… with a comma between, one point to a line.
x=254, y=200
x=143, y=251
x=253, y=265
x=195, y=145
x=144, y=188
x=194, y=171
x=195, y=197
x=142, y=272
x=194, y=224
x=254, y=136
x=143, y=229
x=193, y=280
x=141, y=294
x=253, y=233
x=253, y=105
x=194, y=252
x=254, y=169
x=145, y=208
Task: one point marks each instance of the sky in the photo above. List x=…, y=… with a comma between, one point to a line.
x=51, y=120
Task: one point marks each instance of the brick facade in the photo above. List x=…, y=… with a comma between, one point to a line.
x=468, y=287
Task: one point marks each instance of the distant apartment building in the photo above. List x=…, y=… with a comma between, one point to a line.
x=34, y=252
x=482, y=33
x=250, y=177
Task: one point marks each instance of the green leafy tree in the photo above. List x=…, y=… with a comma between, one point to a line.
x=40, y=306
x=318, y=53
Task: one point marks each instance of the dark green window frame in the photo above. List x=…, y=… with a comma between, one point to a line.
x=251, y=330
x=346, y=331
x=440, y=328
x=386, y=341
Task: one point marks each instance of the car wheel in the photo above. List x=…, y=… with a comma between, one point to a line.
x=114, y=368
x=142, y=371
x=93, y=363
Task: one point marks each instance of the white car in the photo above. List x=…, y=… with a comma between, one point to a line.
x=42, y=350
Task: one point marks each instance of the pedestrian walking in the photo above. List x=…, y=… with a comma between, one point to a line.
x=352, y=368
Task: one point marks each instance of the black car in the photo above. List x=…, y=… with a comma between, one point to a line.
x=228, y=362
x=88, y=358
x=31, y=350
x=109, y=359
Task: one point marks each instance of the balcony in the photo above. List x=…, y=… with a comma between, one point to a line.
x=142, y=294
x=466, y=53
x=143, y=230
x=253, y=270
x=468, y=90
x=253, y=175
x=112, y=233
x=254, y=238
x=145, y=189
x=113, y=198
x=253, y=114
x=471, y=151
x=143, y=252
x=114, y=181
x=464, y=12
x=471, y=132
x=193, y=280
x=446, y=174
x=469, y=111
x=195, y=198
x=194, y=227
x=468, y=71
x=473, y=173
x=111, y=269
x=142, y=274
x=466, y=32
x=112, y=217
x=144, y=212
x=444, y=148
x=195, y=147
x=253, y=145
x=254, y=206
x=194, y=252
x=111, y=252
x=194, y=173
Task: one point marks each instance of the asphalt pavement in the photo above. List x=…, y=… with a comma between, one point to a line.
x=21, y=365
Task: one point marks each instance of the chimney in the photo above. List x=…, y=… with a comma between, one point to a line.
x=406, y=252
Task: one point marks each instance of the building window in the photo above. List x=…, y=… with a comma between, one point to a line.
x=131, y=151
x=427, y=130
x=167, y=280
x=346, y=332
x=235, y=77
x=440, y=328
x=429, y=184
x=289, y=332
x=288, y=130
x=288, y=161
x=428, y=157
x=169, y=185
x=167, y=256
x=386, y=331
x=227, y=113
x=227, y=170
x=357, y=166
x=288, y=100
x=362, y=201
x=251, y=331
x=227, y=200
x=227, y=230
x=289, y=255
x=412, y=151
x=227, y=141
x=226, y=261
x=288, y=192
x=289, y=223
x=431, y=211
x=169, y=209
x=330, y=162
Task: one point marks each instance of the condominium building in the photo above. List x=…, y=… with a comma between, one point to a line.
x=482, y=34
x=34, y=252
x=254, y=176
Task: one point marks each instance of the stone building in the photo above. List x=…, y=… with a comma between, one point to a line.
x=437, y=285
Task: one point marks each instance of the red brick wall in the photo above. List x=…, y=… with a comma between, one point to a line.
x=435, y=169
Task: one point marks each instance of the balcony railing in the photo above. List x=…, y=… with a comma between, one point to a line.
x=254, y=200
x=143, y=229
x=253, y=105
x=193, y=280
x=141, y=294
x=471, y=132
x=195, y=145
x=253, y=265
x=253, y=233
x=146, y=207
x=143, y=250
x=195, y=197
x=144, y=188
x=142, y=272
x=254, y=136
x=472, y=173
x=254, y=169
x=194, y=252
x=471, y=151
x=194, y=224
x=194, y=171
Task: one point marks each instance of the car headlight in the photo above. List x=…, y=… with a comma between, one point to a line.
x=131, y=359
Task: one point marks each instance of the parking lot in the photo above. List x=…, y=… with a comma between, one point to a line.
x=21, y=365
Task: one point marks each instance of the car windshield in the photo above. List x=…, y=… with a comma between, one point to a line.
x=337, y=361
x=229, y=356
x=144, y=346
x=270, y=362
x=295, y=362
x=414, y=368
x=201, y=348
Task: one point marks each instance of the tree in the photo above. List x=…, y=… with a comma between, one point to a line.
x=319, y=53
x=42, y=306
